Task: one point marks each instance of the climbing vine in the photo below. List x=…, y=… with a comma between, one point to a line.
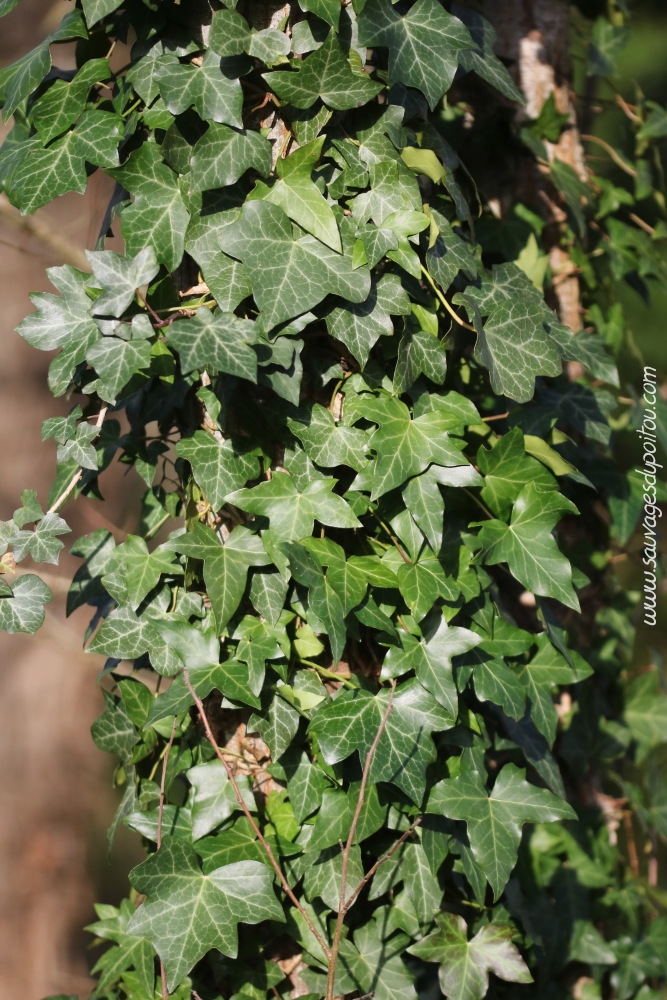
x=369, y=675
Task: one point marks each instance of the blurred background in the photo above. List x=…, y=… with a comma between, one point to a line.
x=57, y=793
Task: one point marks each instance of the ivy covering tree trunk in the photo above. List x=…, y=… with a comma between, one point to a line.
x=373, y=695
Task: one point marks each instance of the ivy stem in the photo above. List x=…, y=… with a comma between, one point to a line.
x=371, y=872
x=163, y=780
x=479, y=503
x=269, y=853
x=328, y=673
x=343, y=906
x=386, y=528
x=613, y=154
x=79, y=472
x=450, y=309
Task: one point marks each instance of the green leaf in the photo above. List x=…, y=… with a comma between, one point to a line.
x=327, y=443
x=305, y=784
x=496, y=682
x=418, y=353
x=277, y=725
x=24, y=610
x=24, y=76
x=323, y=876
x=288, y=275
x=95, y=10
x=141, y=570
x=404, y=447
x=547, y=670
x=323, y=599
x=119, y=278
x=528, y=546
x=405, y=750
x=326, y=73
x=113, y=731
x=115, y=361
x=131, y=950
x=203, y=910
x=157, y=217
x=215, y=95
x=433, y=661
x=63, y=102
x=358, y=326
x=292, y=512
x=507, y=469
x=494, y=822
x=465, y=965
x=212, y=799
x=41, y=543
x=236, y=843
x=423, y=44
x=223, y=155
x=424, y=500
x=375, y=965
x=645, y=711
x=216, y=342
x=225, y=566
x=588, y=945
x=485, y=63
x=218, y=467
x=586, y=348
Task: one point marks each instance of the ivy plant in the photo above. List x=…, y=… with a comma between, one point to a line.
x=369, y=673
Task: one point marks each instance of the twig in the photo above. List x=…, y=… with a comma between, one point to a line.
x=77, y=476
x=48, y=237
x=479, y=503
x=450, y=309
x=165, y=762
x=498, y=416
x=386, y=528
x=630, y=838
x=342, y=906
x=330, y=674
x=612, y=152
x=644, y=225
x=371, y=872
x=269, y=853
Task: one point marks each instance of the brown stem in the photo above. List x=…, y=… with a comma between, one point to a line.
x=450, y=309
x=269, y=853
x=612, y=152
x=394, y=540
x=479, y=503
x=342, y=907
x=77, y=476
x=163, y=779
x=369, y=874
x=630, y=838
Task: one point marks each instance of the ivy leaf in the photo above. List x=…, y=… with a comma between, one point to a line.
x=450, y=254
x=324, y=601
x=305, y=784
x=423, y=44
x=507, y=469
x=296, y=194
x=419, y=353
x=326, y=73
x=23, y=611
x=218, y=342
x=529, y=548
x=327, y=443
x=547, y=670
x=45, y=174
x=131, y=950
x=514, y=347
x=424, y=500
x=96, y=549
x=113, y=731
x=227, y=279
x=216, y=96
x=588, y=349
x=119, y=277
x=465, y=965
x=421, y=584
x=277, y=725
x=323, y=876
x=63, y=102
x=115, y=361
x=41, y=543
x=203, y=910
x=351, y=723
x=288, y=275
x=484, y=62
x=23, y=77
x=223, y=155
x=157, y=217
x=212, y=799
x=404, y=447
x=345, y=577
x=141, y=570
x=495, y=821
x=375, y=965
x=496, y=682
x=292, y=512
x=358, y=326
x=218, y=467
x=225, y=566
